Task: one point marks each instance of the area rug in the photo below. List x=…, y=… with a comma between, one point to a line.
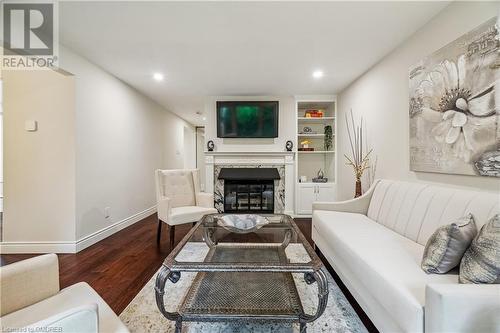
x=142, y=315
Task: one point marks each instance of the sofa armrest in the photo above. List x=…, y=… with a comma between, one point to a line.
x=83, y=319
x=164, y=209
x=462, y=308
x=205, y=200
x=357, y=205
x=29, y=281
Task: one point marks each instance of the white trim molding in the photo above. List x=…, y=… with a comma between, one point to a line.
x=74, y=247
x=37, y=247
x=99, y=235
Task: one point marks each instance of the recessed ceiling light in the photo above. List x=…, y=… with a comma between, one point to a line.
x=318, y=74
x=158, y=76
x=204, y=118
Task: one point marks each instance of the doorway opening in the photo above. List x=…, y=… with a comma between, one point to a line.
x=200, y=154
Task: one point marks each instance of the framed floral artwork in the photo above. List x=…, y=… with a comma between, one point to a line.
x=454, y=116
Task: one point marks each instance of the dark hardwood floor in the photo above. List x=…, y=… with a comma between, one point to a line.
x=120, y=265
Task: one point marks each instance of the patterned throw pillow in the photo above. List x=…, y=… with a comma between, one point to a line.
x=481, y=262
x=447, y=245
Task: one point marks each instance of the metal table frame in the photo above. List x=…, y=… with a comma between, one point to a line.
x=171, y=270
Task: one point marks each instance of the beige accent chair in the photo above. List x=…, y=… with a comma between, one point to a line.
x=180, y=199
x=31, y=301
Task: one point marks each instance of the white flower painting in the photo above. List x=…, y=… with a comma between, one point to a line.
x=454, y=116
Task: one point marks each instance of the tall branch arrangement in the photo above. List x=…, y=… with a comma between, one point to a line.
x=372, y=169
x=359, y=159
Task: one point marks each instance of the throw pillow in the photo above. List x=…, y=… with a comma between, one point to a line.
x=481, y=262
x=447, y=245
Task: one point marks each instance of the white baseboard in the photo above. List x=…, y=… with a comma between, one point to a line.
x=74, y=247
x=288, y=212
x=37, y=247
x=301, y=216
x=97, y=236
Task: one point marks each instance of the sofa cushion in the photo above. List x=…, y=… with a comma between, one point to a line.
x=416, y=210
x=84, y=318
x=446, y=247
x=66, y=299
x=189, y=214
x=387, y=263
x=481, y=262
x=28, y=281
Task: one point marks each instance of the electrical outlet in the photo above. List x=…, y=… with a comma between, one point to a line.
x=107, y=212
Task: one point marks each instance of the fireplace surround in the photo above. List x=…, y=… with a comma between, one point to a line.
x=283, y=162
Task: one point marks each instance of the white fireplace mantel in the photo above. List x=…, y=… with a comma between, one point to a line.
x=215, y=153
x=254, y=158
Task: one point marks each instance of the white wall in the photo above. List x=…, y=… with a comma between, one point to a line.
x=121, y=138
x=189, y=141
x=381, y=97
x=1, y=150
x=97, y=146
x=173, y=146
x=200, y=154
x=286, y=129
x=39, y=166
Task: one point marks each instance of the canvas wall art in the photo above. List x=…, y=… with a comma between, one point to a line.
x=454, y=116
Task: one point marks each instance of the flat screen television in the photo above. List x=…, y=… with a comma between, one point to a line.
x=247, y=119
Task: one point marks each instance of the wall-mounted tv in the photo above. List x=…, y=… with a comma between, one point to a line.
x=251, y=119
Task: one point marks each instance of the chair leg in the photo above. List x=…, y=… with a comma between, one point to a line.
x=158, y=233
x=172, y=236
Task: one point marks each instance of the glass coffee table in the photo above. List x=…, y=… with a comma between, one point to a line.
x=246, y=274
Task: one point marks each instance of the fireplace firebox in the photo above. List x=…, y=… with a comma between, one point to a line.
x=249, y=190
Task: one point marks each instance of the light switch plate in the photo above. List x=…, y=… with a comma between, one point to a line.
x=31, y=125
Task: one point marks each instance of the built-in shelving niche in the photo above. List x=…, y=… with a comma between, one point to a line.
x=310, y=162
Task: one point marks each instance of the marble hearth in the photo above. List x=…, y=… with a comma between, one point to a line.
x=282, y=161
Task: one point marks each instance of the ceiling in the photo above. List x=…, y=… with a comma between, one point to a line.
x=237, y=48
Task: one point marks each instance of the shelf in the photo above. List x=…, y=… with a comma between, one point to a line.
x=317, y=152
x=315, y=183
x=312, y=135
x=322, y=119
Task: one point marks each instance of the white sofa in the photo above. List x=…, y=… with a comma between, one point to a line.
x=375, y=244
x=32, y=302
